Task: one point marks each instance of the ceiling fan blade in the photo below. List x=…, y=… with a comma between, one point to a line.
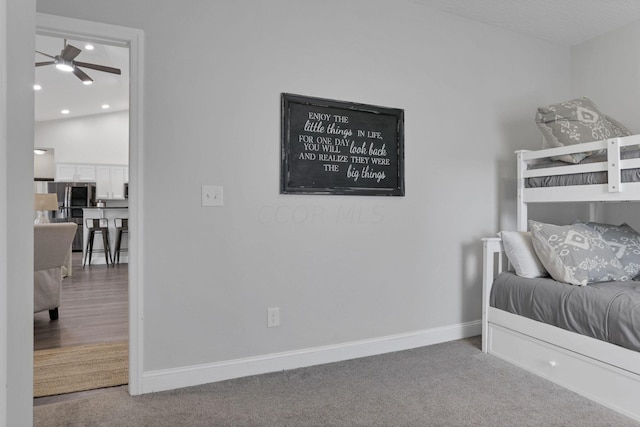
x=45, y=54
x=40, y=64
x=69, y=52
x=81, y=75
x=98, y=67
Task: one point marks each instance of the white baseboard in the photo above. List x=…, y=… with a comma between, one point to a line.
x=169, y=379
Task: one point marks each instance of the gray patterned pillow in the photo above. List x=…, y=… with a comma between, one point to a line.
x=575, y=254
x=574, y=122
x=625, y=241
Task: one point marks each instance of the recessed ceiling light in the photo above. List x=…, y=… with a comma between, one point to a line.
x=88, y=46
x=65, y=111
x=106, y=106
x=39, y=151
x=37, y=87
x=87, y=82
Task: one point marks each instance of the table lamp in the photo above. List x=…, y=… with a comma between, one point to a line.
x=44, y=202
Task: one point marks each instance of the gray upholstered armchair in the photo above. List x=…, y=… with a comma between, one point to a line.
x=52, y=246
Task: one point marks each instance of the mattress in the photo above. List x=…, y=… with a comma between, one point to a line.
x=608, y=311
x=626, y=175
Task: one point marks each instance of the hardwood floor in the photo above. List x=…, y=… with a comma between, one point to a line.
x=94, y=308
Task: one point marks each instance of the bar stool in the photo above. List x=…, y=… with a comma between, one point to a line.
x=97, y=225
x=122, y=226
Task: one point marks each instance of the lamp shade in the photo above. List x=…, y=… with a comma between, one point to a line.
x=45, y=202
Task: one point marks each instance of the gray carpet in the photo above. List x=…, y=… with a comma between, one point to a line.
x=449, y=384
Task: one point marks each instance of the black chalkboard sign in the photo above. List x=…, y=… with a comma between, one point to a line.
x=336, y=147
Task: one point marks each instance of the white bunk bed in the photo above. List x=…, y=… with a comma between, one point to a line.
x=604, y=372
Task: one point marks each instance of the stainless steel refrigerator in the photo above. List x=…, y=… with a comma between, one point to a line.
x=72, y=198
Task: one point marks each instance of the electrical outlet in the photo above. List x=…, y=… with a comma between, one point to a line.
x=273, y=317
x=212, y=195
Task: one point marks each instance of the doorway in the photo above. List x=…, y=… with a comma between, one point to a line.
x=131, y=39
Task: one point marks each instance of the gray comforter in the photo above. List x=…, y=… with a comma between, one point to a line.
x=626, y=175
x=608, y=311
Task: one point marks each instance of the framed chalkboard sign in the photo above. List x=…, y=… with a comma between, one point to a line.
x=336, y=147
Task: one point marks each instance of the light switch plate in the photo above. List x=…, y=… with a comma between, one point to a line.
x=212, y=195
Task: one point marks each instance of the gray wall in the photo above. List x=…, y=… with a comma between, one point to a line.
x=340, y=268
x=607, y=69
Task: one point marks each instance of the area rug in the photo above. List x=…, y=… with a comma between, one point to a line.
x=79, y=368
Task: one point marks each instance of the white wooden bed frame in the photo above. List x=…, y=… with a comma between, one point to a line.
x=603, y=372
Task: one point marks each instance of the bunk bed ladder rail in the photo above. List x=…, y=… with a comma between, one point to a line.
x=613, y=165
x=521, y=224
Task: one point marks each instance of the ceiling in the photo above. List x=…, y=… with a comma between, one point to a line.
x=564, y=22
x=62, y=90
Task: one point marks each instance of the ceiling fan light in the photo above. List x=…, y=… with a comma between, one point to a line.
x=64, y=65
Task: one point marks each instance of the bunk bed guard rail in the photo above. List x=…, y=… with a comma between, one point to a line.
x=614, y=190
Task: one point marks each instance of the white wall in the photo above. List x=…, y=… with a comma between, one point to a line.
x=44, y=165
x=607, y=69
x=388, y=266
x=17, y=21
x=101, y=138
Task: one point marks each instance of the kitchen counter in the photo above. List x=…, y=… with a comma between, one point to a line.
x=109, y=213
x=107, y=207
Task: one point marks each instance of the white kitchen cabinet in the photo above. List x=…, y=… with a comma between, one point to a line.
x=103, y=182
x=75, y=172
x=110, y=182
x=118, y=178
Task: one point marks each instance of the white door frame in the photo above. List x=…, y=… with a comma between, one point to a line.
x=58, y=26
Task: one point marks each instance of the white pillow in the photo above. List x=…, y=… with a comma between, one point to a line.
x=519, y=249
x=575, y=254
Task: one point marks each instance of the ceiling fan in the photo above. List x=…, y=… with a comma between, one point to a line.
x=65, y=62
